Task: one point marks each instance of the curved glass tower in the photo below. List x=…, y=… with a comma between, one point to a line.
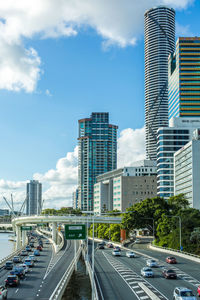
x=159, y=43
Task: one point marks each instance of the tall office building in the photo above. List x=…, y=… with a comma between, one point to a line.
x=33, y=197
x=187, y=171
x=159, y=43
x=97, y=154
x=171, y=139
x=184, y=78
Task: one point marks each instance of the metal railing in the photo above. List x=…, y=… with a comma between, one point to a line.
x=174, y=250
x=10, y=256
x=61, y=286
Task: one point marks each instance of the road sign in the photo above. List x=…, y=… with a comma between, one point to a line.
x=41, y=224
x=26, y=227
x=75, y=232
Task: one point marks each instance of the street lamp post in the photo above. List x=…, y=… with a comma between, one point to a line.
x=180, y=229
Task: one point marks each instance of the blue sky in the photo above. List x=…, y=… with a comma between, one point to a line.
x=93, y=65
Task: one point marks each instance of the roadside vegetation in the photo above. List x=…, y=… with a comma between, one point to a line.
x=164, y=216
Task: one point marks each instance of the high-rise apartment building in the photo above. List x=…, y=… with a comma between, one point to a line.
x=169, y=140
x=159, y=43
x=33, y=197
x=184, y=78
x=75, y=199
x=97, y=154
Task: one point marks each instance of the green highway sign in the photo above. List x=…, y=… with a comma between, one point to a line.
x=75, y=232
x=41, y=224
x=26, y=227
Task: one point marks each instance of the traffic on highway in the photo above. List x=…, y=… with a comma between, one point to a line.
x=141, y=273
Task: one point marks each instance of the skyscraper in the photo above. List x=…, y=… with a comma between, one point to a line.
x=33, y=197
x=97, y=154
x=159, y=43
x=184, y=78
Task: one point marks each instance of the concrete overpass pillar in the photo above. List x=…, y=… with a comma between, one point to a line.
x=54, y=232
x=18, y=233
x=23, y=237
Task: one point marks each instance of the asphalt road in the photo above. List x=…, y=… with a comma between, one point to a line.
x=42, y=279
x=120, y=277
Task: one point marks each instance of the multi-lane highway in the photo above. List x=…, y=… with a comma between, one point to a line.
x=41, y=280
x=120, y=277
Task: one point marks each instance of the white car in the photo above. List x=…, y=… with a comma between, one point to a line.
x=3, y=292
x=182, y=293
x=26, y=268
x=130, y=254
x=32, y=257
x=116, y=252
x=147, y=272
x=137, y=241
x=152, y=263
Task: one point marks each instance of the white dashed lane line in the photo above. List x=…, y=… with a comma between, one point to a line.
x=141, y=288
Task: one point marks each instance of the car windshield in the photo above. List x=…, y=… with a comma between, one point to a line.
x=187, y=294
x=147, y=270
x=170, y=271
x=171, y=257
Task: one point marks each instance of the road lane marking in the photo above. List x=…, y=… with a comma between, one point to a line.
x=148, y=291
x=16, y=290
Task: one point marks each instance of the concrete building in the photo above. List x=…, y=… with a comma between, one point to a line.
x=187, y=171
x=169, y=140
x=184, y=78
x=75, y=199
x=159, y=35
x=121, y=188
x=33, y=198
x=97, y=154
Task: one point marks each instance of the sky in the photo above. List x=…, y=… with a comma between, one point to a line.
x=60, y=60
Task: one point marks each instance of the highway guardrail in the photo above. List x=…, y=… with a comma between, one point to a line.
x=61, y=286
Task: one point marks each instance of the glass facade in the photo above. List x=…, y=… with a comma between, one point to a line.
x=97, y=144
x=172, y=139
x=184, y=78
x=33, y=198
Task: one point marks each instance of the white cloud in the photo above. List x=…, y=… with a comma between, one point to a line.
x=131, y=146
x=118, y=22
x=48, y=93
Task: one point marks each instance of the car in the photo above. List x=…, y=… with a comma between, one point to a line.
x=117, y=248
x=36, y=253
x=47, y=242
x=31, y=244
x=12, y=280
x=17, y=259
x=33, y=257
x=182, y=293
x=28, y=248
x=8, y=265
x=29, y=262
x=110, y=245
x=171, y=260
x=3, y=292
x=116, y=252
x=137, y=241
x=152, y=263
x=130, y=254
x=23, y=253
x=147, y=272
x=25, y=267
x=19, y=271
x=169, y=274
x=39, y=248
x=101, y=246
x=198, y=291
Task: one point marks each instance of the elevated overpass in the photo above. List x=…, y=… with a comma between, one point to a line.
x=54, y=220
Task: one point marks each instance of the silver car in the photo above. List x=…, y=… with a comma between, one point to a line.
x=152, y=263
x=147, y=272
x=182, y=293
